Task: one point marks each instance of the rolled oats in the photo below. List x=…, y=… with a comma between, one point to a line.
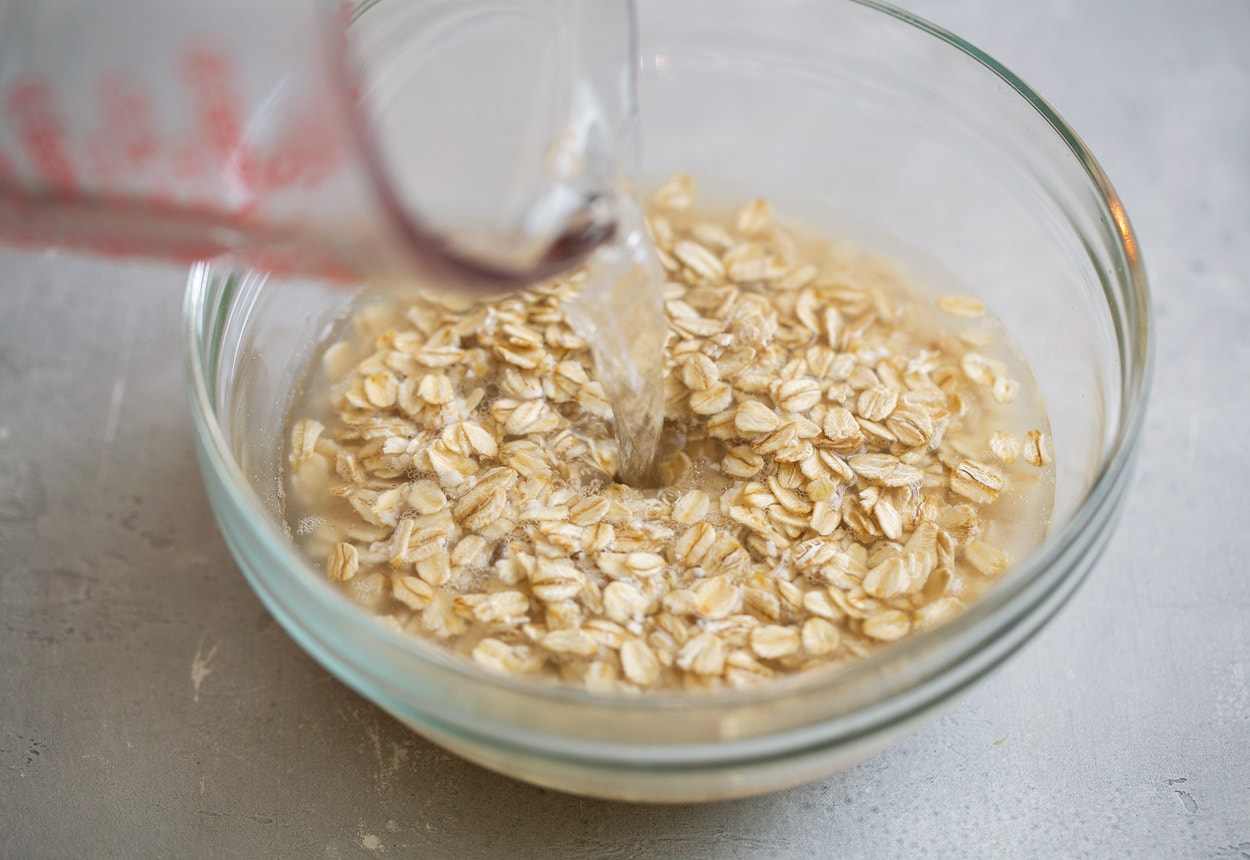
x=820, y=637
x=639, y=663
x=976, y=482
x=1036, y=450
x=889, y=625
x=702, y=655
x=691, y=507
x=412, y=591
x=1004, y=446
x=569, y=642
x=344, y=562
x=304, y=440
x=838, y=474
x=876, y=403
x=753, y=418
x=797, y=395
x=773, y=641
x=985, y=558
x=699, y=260
x=754, y=217
x=961, y=306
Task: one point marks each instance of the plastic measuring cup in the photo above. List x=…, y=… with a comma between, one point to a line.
x=317, y=137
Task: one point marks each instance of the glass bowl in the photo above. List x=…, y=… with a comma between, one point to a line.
x=881, y=125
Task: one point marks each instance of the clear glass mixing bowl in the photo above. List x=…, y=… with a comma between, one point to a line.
x=854, y=109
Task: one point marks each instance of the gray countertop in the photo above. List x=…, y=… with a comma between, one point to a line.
x=149, y=706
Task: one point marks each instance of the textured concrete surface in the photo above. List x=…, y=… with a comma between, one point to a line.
x=149, y=706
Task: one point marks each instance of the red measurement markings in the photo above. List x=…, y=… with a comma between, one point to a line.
x=8, y=178
x=40, y=133
x=126, y=146
x=176, y=193
x=305, y=150
x=308, y=148
x=216, y=104
x=190, y=163
x=119, y=226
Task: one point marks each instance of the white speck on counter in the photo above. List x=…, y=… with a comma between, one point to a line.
x=119, y=380
x=201, y=667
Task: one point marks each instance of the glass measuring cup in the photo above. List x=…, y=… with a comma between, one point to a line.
x=317, y=137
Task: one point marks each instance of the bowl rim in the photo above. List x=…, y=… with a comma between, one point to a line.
x=984, y=621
